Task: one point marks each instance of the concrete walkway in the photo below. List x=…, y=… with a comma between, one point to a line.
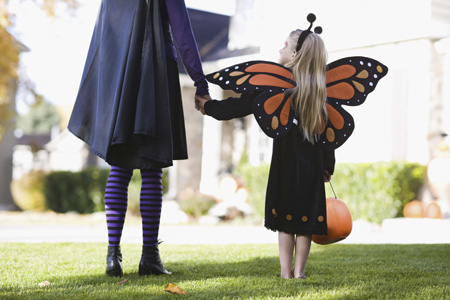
x=53, y=228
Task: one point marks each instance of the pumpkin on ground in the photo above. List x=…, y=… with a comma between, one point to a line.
x=339, y=222
x=433, y=210
x=414, y=209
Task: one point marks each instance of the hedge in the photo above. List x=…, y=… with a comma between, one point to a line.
x=373, y=191
x=377, y=191
x=65, y=191
x=80, y=192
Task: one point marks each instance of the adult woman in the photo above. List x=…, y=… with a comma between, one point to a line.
x=129, y=109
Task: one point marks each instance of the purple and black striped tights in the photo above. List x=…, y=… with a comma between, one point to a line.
x=116, y=198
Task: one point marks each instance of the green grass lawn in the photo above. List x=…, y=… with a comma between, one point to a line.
x=76, y=271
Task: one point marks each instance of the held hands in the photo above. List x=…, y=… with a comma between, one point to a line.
x=200, y=102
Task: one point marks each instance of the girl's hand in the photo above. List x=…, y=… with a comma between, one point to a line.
x=326, y=176
x=200, y=102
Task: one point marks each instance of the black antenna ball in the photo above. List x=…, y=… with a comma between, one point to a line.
x=311, y=17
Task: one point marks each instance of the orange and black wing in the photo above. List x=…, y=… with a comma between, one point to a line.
x=274, y=114
x=349, y=81
x=272, y=108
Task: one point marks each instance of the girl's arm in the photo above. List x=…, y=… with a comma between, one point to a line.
x=328, y=163
x=230, y=108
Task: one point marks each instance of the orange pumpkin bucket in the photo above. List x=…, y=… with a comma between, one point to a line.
x=339, y=222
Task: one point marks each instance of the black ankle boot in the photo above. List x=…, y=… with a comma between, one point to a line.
x=114, y=261
x=151, y=263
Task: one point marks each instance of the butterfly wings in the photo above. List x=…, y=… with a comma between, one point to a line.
x=272, y=108
x=349, y=81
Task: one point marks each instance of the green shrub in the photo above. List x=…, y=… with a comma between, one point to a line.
x=373, y=191
x=410, y=179
x=94, y=179
x=255, y=178
x=83, y=191
x=377, y=191
x=196, y=204
x=80, y=192
x=134, y=190
x=134, y=193
x=27, y=191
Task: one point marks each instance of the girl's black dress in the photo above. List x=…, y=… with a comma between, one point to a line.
x=295, y=197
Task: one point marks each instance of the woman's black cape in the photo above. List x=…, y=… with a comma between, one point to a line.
x=122, y=109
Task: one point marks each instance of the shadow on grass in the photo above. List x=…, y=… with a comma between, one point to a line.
x=243, y=272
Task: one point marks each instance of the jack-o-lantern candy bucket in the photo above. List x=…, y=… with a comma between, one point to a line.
x=339, y=222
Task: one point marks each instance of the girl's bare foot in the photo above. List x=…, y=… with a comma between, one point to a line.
x=286, y=275
x=298, y=275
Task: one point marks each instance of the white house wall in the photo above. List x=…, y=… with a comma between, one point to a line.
x=393, y=123
x=211, y=149
x=446, y=93
x=346, y=24
x=67, y=153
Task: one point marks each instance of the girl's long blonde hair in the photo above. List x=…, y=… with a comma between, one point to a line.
x=309, y=96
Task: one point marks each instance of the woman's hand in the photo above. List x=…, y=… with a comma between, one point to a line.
x=200, y=102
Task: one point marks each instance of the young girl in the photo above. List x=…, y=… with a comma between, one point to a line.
x=295, y=198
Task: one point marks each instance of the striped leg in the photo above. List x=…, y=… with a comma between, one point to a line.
x=150, y=205
x=116, y=199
